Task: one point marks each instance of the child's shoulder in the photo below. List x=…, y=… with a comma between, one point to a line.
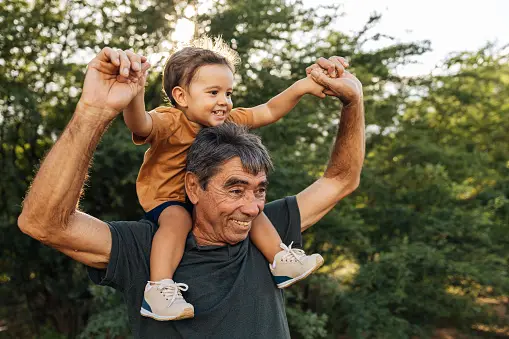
x=166, y=116
x=166, y=109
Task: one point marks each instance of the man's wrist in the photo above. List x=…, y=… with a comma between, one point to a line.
x=353, y=102
x=95, y=115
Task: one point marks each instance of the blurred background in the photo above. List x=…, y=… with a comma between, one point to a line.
x=420, y=250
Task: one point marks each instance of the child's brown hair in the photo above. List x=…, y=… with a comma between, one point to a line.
x=182, y=65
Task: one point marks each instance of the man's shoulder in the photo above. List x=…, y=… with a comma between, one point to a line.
x=142, y=225
x=288, y=203
x=133, y=231
x=284, y=214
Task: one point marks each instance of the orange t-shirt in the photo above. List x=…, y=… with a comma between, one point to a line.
x=161, y=176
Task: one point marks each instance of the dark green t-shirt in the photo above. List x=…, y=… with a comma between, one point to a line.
x=231, y=287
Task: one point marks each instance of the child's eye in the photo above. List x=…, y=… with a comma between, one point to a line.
x=229, y=94
x=213, y=92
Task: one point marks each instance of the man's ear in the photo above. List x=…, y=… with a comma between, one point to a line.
x=179, y=95
x=192, y=187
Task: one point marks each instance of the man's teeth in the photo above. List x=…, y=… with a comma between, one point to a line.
x=242, y=223
x=218, y=112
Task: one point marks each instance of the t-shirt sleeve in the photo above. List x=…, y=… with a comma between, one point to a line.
x=163, y=125
x=285, y=216
x=242, y=116
x=131, y=242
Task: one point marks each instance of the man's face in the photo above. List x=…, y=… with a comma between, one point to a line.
x=232, y=200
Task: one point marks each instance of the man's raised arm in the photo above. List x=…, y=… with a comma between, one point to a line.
x=342, y=175
x=49, y=210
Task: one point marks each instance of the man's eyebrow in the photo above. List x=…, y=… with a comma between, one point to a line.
x=264, y=183
x=237, y=181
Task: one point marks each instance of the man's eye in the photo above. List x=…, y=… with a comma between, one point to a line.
x=236, y=192
x=262, y=191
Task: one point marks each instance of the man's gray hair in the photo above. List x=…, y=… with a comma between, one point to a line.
x=216, y=145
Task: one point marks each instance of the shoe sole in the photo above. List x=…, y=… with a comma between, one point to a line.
x=302, y=276
x=188, y=313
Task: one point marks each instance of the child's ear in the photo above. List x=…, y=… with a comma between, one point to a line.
x=193, y=187
x=179, y=95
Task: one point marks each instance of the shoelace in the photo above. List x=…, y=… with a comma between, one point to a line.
x=172, y=291
x=292, y=253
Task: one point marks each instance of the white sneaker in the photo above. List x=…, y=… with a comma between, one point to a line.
x=163, y=301
x=292, y=265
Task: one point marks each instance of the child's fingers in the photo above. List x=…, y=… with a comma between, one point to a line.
x=320, y=78
x=327, y=65
x=329, y=92
x=309, y=69
x=339, y=64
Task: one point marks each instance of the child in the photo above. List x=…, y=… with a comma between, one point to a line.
x=198, y=81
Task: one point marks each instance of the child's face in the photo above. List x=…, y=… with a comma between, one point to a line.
x=210, y=95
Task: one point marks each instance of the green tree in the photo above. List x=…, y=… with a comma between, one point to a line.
x=433, y=203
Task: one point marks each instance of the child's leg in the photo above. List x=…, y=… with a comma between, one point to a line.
x=287, y=265
x=265, y=237
x=162, y=299
x=169, y=242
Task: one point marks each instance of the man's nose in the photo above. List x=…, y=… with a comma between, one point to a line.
x=251, y=206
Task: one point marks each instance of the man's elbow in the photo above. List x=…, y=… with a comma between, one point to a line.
x=33, y=229
x=352, y=185
x=346, y=184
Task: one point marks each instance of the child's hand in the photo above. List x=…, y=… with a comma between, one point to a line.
x=345, y=85
x=332, y=68
x=139, y=99
x=311, y=87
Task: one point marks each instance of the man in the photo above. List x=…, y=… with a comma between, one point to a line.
x=231, y=286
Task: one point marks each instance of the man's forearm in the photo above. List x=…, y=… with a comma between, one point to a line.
x=56, y=189
x=348, y=152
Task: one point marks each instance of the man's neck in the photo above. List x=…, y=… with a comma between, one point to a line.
x=204, y=238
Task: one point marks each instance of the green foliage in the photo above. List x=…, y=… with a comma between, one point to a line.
x=306, y=324
x=418, y=246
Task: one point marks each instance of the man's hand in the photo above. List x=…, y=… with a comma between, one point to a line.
x=331, y=74
x=113, y=79
x=311, y=87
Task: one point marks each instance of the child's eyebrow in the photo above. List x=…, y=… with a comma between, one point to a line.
x=217, y=87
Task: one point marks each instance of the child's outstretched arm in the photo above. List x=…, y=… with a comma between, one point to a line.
x=136, y=117
x=281, y=104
